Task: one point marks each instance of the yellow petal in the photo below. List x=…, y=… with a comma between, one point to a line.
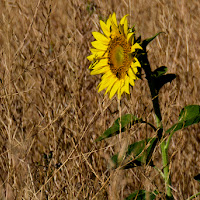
x=114, y=18
x=120, y=90
x=135, y=46
x=99, y=53
x=134, y=67
x=136, y=63
x=101, y=87
x=123, y=19
x=100, y=71
x=96, y=50
x=108, y=23
x=91, y=57
x=113, y=24
x=135, y=70
x=131, y=73
x=101, y=63
x=130, y=36
x=100, y=37
x=112, y=82
x=106, y=75
x=131, y=81
x=114, y=88
x=105, y=28
x=91, y=66
x=99, y=45
x=105, y=83
x=126, y=27
x=133, y=40
x=121, y=28
x=126, y=85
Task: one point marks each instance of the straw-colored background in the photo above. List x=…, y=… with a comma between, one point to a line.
x=51, y=112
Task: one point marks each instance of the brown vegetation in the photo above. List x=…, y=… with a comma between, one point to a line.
x=51, y=112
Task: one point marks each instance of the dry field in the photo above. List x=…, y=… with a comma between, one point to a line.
x=51, y=112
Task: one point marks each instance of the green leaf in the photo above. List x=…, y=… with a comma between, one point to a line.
x=197, y=178
x=163, y=79
x=126, y=120
x=188, y=116
x=138, y=40
x=159, y=71
x=138, y=153
x=142, y=195
x=148, y=40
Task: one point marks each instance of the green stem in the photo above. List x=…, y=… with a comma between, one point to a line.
x=168, y=140
x=161, y=173
x=193, y=196
x=165, y=160
x=154, y=95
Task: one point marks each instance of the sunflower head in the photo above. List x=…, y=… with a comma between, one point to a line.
x=113, y=56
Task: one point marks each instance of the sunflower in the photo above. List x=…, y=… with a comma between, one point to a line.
x=113, y=56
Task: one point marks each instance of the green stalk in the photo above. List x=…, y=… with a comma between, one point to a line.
x=154, y=94
x=169, y=139
x=194, y=196
x=165, y=160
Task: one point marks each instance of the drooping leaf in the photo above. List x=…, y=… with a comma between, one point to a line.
x=138, y=153
x=142, y=195
x=188, y=116
x=126, y=121
x=163, y=79
x=159, y=71
x=160, y=78
x=138, y=40
x=148, y=40
x=113, y=130
x=197, y=178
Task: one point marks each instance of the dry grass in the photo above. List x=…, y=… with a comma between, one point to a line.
x=51, y=113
